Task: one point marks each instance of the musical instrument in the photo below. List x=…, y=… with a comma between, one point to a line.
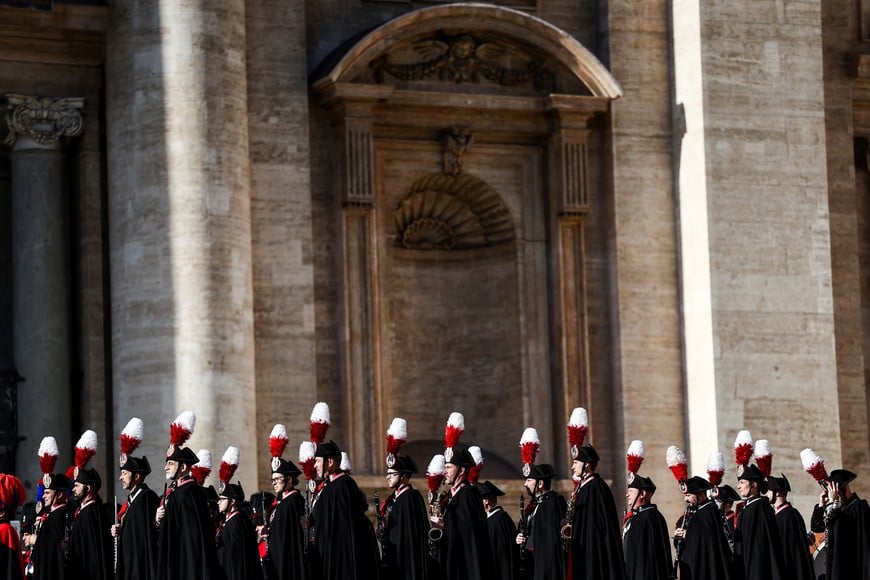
x=679, y=543
x=567, y=530
x=115, y=537
x=435, y=533
x=309, y=532
x=523, y=526
x=379, y=531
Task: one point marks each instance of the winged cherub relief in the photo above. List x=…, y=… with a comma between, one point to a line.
x=462, y=59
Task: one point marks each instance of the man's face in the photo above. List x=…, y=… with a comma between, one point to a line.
x=530, y=485
x=450, y=473
x=577, y=468
x=80, y=490
x=693, y=499
x=171, y=469
x=127, y=479
x=223, y=505
x=278, y=482
x=48, y=497
x=631, y=496
x=744, y=488
x=394, y=478
x=319, y=467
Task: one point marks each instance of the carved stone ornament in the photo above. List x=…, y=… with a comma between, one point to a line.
x=464, y=59
x=457, y=140
x=447, y=212
x=46, y=120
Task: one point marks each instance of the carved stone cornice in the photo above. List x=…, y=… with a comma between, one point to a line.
x=46, y=120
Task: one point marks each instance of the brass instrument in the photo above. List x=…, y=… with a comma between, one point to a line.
x=567, y=530
x=435, y=533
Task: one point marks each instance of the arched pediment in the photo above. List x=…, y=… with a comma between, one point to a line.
x=490, y=47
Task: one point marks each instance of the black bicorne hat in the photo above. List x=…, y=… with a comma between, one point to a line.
x=541, y=471
x=330, y=449
x=137, y=465
x=842, y=476
x=728, y=493
x=489, y=489
x=58, y=482
x=91, y=478
x=286, y=467
x=183, y=455
x=587, y=454
x=461, y=458
x=642, y=483
x=696, y=484
x=233, y=491
x=778, y=483
x=751, y=473
x=404, y=464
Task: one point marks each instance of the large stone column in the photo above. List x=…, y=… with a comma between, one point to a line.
x=40, y=269
x=180, y=230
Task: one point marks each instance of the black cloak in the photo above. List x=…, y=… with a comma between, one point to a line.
x=187, y=537
x=544, y=544
x=287, y=539
x=502, y=543
x=137, y=541
x=705, y=553
x=405, y=536
x=90, y=551
x=795, y=550
x=11, y=566
x=48, y=558
x=848, y=550
x=647, y=545
x=344, y=546
x=466, y=538
x=237, y=549
x=595, y=550
x=757, y=546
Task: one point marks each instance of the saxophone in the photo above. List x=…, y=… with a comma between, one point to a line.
x=567, y=530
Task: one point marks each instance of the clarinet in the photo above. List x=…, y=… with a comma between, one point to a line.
x=523, y=527
x=309, y=533
x=567, y=530
x=115, y=538
x=267, y=523
x=379, y=531
x=67, y=530
x=680, y=543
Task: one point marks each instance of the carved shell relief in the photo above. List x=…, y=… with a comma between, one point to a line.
x=452, y=212
x=464, y=58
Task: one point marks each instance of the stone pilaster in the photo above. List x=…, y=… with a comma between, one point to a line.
x=35, y=129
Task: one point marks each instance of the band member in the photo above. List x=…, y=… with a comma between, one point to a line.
x=344, y=545
x=645, y=533
x=703, y=552
x=466, y=554
x=846, y=518
x=186, y=547
x=792, y=530
x=285, y=539
x=543, y=547
x=136, y=532
x=403, y=525
x=757, y=546
x=727, y=500
x=90, y=555
x=236, y=538
x=595, y=548
x=12, y=495
x=502, y=533
x=52, y=539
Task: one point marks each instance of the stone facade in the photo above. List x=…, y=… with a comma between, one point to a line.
x=653, y=210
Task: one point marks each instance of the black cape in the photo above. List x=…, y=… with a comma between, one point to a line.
x=237, y=551
x=757, y=544
x=90, y=551
x=502, y=543
x=595, y=550
x=186, y=546
x=795, y=550
x=705, y=553
x=48, y=558
x=848, y=549
x=466, y=554
x=10, y=553
x=405, y=536
x=544, y=545
x=647, y=545
x=137, y=541
x=344, y=546
x=287, y=539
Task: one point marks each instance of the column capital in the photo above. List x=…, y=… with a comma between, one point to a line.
x=44, y=120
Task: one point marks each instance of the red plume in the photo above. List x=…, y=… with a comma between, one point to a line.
x=319, y=422
x=677, y=463
x=278, y=440
x=743, y=447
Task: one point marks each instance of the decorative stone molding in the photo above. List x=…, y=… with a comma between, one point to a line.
x=446, y=212
x=44, y=119
x=464, y=59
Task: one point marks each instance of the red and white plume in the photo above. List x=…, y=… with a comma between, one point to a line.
x=47, y=453
x=452, y=432
x=678, y=464
x=435, y=474
x=814, y=465
x=345, y=464
x=319, y=422
x=229, y=465
x=743, y=447
x=474, y=470
x=578, y=426
x=84, y=450
x=634, y=456
x=715, y=468
x=397, y=435
x=530, y=444
x=306, y=460
x=277, y=443
x=202, y=468
x=763, y=456
x=131, y=437
x=180, y=430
